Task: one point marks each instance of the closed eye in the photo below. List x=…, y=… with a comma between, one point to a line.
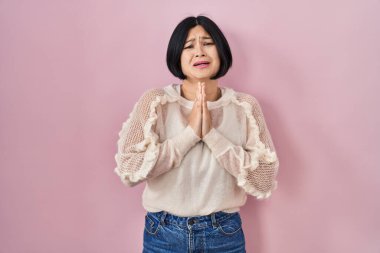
x=210, y=43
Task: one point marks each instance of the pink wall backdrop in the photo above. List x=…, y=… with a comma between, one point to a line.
x=71, y=71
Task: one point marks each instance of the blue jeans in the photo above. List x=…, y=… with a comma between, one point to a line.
x=219, y=232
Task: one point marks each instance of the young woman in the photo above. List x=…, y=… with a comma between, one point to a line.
x=200, y=147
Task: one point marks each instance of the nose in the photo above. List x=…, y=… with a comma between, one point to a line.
x=199, y=51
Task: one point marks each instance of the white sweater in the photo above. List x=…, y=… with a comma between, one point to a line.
x=189, y=176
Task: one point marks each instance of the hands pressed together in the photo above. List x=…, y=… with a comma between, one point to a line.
x=200, y=117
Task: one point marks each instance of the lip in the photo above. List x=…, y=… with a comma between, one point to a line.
x=201, y=66
x=199, y=62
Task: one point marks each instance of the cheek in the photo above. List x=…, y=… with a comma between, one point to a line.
x=185, y=56
x=215, y=54
x=184, y=63
x=216, y=60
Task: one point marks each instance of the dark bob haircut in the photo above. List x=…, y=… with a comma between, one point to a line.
x=177, y=42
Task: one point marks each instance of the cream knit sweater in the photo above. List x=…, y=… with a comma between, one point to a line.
x=188, y=176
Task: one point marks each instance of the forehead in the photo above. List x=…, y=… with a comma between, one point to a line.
x=197, y=31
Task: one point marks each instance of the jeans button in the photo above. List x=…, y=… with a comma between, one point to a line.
x=191, y=222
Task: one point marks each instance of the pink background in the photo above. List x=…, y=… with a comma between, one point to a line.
x=70, y=72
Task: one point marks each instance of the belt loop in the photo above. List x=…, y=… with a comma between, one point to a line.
x=163, y=218
x=214, y=223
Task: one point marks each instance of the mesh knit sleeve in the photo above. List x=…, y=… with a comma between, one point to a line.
x=255, y=164
x=140, y=155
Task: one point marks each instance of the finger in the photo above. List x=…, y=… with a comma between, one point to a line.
x=203, y=96
x=200, y=96
x=200, y=93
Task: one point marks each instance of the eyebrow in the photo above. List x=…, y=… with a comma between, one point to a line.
x=203, y=37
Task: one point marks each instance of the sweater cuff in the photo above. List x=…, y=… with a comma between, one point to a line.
x=185, y=140
x=217, y=142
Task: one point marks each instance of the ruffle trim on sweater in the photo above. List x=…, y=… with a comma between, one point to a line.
x=125, y=176
x=149, y=144
x=259, y=153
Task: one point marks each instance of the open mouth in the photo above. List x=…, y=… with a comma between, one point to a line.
x=201, y=64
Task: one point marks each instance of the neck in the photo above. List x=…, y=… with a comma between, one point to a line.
x=190, y=87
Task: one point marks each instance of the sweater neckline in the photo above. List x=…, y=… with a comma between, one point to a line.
x=174, y=90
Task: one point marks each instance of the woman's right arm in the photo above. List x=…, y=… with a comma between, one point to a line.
x=140, y=155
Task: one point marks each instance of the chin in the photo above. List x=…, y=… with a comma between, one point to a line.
x=204, y=76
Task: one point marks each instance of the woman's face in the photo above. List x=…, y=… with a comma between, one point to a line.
x=199, y=46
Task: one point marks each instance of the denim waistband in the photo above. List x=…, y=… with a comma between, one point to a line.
x=203, y=221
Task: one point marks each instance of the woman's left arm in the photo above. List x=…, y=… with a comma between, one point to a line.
x=255, y=165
